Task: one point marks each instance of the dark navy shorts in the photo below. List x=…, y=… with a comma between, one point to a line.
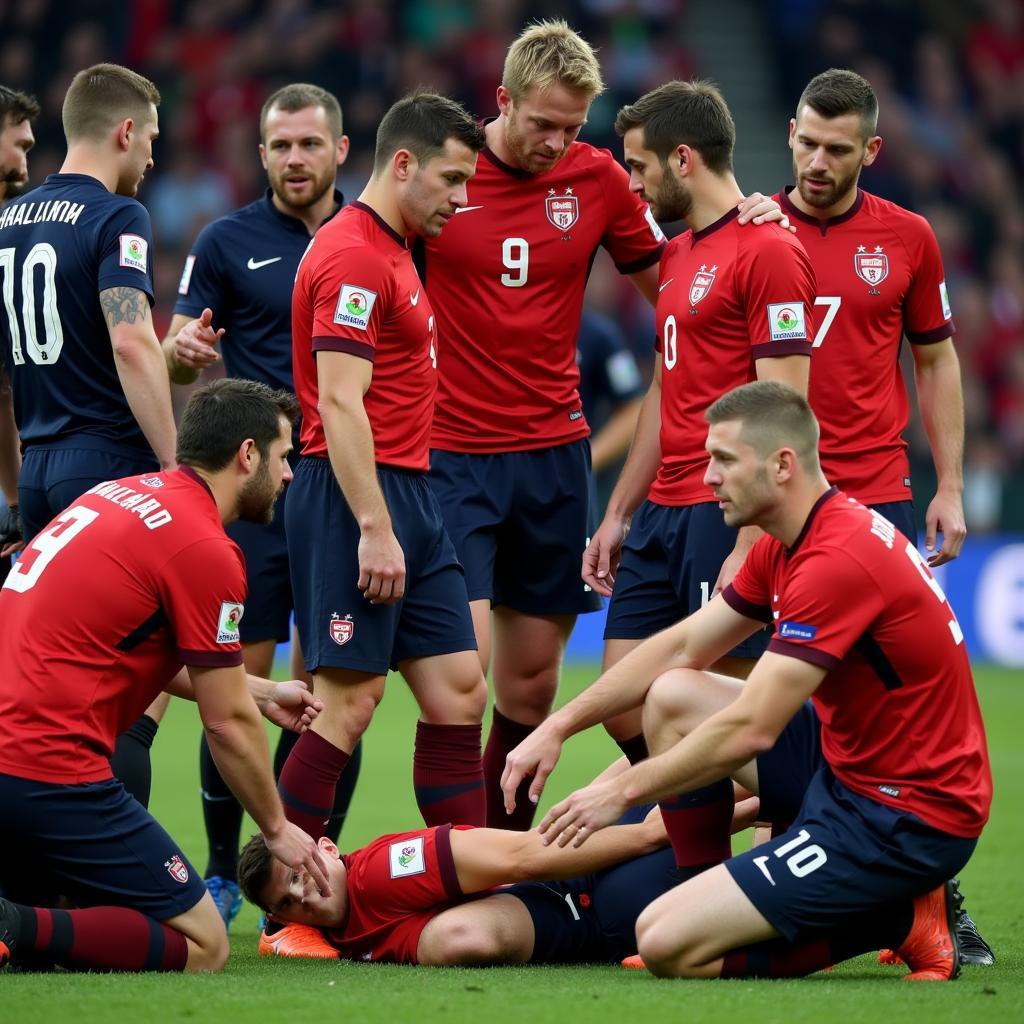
x=268, y=606
x=592, y=919
x=92, y=844
x=670, y=563
x=520, y=522
x=338, y=627
x=901, y=515
x=54, y=476
x=844, y=853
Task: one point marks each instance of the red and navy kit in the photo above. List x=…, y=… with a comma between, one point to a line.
x=70, y=239
x=357, y=291
x=880, y=277
x=728, y=295
x=173, y=587
x=395, y=886
x=506, y=278
x=899, y=716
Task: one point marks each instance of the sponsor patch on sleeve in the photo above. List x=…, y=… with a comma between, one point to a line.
x=186, y=275
x=786, y=321
x=355, y=305
x=944, y=297
x=227, y=625
x=790, y=630
x=134, y=252
x=406, y=857
x=659, y=235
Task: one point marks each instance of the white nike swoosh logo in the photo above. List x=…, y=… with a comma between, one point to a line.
x=256, y=264
x=662, y=287
x=466, y=209
x=415, y=298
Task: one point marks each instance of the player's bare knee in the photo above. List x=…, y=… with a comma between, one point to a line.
x=661, y=949
x=462, y=944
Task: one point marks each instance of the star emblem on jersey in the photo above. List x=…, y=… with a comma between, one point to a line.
x=176, y=869
x=871, y=267
x=562, y=210
x=701, y=283
x=341, y=629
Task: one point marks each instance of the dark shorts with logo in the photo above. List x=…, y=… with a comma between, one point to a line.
x=901, y=515
x=92, y=844
x=520, y=522
x=268, y=605
x=54, y=476
x=592, y=919
x=670, y=563
x=338, y=627
x=844, y=853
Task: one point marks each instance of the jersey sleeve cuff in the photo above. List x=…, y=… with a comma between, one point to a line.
x=934, y=336
x=775, y=349
x=643, y=263
x=348, y=345
x=802, y=653
x=446, y=862
x=739, y=604
x=210, y=659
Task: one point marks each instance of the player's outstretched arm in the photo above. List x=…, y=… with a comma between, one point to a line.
x=189, y=346
x=141, y=368
x=941, y=398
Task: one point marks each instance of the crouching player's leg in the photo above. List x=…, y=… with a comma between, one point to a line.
x=141, y=906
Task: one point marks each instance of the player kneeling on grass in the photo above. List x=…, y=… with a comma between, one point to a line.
x=136, y=579
x=409, y=897
x=860, y=725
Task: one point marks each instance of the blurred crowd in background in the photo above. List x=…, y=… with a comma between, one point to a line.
x=949, y=75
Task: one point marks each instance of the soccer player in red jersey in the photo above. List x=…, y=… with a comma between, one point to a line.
x=510, y=462
x=880, y=277
x=376, y=581
x=158, y=585
x=885, y=772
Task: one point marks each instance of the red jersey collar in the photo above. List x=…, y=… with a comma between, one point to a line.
x=515, y=172
x=792, y=210
x=189, y=472
x=815, y=509
x=381, y=223
x=726, y=218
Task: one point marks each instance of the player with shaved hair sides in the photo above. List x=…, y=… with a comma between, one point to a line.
x=91, y=396
x=377, y=583
x=160, y=586
x=880, y=278
x=239, y=276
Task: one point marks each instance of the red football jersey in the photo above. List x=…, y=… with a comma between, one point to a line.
x=357, y=291
x=395, y=886
x=880, y=276
x=728, y=295
x=105, y=605
x=506, y=277
x=900, y=721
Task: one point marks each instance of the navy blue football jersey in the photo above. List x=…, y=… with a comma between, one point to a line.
x=60, y=246
x=243, y=267
x=609, y=375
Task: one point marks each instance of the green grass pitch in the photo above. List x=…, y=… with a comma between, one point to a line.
x=255, y=990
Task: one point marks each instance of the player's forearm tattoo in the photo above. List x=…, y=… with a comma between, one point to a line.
x=124, y=305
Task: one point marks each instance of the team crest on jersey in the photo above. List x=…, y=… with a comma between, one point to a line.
x=341, y=629
x=355, y=305
x=701, y=283
x=134, y=250
x=227, y=625
x=176, y=869
x=152, y=481
x=871, y=267
x=406, y=857
x=563, y=210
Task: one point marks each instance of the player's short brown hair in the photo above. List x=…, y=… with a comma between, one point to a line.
x=839, y=91
x=299, y=96
x=254, y=863
x=101, y=97
x=547, y=53
x=774, y=416
x=683, y=113
x=422, y=124
x=221, y=415
x=16, y=107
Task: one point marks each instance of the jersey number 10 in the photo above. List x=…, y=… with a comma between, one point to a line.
x=43, y=256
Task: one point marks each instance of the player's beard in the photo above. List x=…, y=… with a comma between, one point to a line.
x=755, y=499
x=526, y=159
x=11, y=185
x=830, y=197
x=319, y=185
x=257, y=497
x=672, y=200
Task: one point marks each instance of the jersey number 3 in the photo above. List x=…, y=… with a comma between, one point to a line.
x=43, y=256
